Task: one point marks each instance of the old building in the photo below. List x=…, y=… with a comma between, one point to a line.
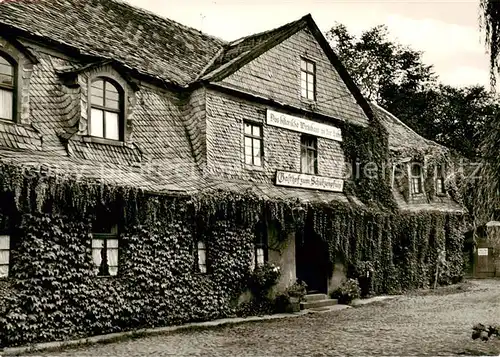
x=146, y=166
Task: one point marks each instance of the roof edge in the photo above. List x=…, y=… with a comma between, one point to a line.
x=218, y=74
x=432, y=142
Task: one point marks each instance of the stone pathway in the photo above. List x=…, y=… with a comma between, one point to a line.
x=417, y=324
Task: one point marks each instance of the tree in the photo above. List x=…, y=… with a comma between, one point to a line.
x=490, y=22
x=377, y=63
x=395, y=77
x=486, y=195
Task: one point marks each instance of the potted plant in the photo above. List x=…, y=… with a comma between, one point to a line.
x=263, y=278
x=347, y=291
x=296, y=293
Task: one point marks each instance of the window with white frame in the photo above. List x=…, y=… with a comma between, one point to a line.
x=106, y=109
x=416, y=178
x=309, y=154
x=4, y=255
x=253, y=144
x=440, y=172
x=308, y=79
x=7, y=87
x=201, y=257
x=259, y=254
x=105, y=250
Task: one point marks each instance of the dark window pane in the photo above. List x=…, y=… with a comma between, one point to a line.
x=3, y=61
x=415, y=169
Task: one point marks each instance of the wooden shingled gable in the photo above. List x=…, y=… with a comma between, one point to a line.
x=241, y=52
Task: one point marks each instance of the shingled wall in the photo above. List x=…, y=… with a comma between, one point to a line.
x=276, y=75
x=225, y=143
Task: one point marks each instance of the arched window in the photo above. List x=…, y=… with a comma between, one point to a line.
x=7, y=88
x=106, y=114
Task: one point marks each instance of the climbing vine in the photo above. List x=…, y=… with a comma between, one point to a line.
x=54, y=294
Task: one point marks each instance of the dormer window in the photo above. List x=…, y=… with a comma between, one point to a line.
x=416, y=178
x=308, y=79
x=7, y=88
x=440, y=189
x=106, y=113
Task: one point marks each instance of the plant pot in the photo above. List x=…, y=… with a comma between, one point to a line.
x=294, y=305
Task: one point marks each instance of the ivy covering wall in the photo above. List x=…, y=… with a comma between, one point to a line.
x=53, y=294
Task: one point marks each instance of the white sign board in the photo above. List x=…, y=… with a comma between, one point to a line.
x=482, y=251
x=293, y=179
x=302, y=125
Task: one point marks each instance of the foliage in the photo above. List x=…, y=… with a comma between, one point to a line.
x=485, y=333
x=395, y=77
x=369, y=146
x=263, y=278
x=347, y=291
x=376, y=63
x=485, y=182
x=258, y=307
x=57, y=296
x=490, y=22
x=298, y=289
x=403, y=247
x=282, y=303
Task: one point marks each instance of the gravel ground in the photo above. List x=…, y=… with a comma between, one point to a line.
x=417, y=324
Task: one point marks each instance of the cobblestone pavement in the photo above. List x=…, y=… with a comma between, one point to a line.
x=416, y=324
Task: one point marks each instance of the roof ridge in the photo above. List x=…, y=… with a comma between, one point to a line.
x=265, y=32
x=147, y=12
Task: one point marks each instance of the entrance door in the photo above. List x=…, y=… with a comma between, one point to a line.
x=485, y=263
x=312, y=263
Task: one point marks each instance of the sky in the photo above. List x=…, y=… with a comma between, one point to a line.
x=447, y=32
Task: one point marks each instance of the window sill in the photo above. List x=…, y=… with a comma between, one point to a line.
x=106, y=276
x=254, y=168
x=7, y=121
x=16, y=123
x=94, y=139
x=308, y=102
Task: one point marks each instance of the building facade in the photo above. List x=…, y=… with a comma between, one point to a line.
x=170, y=162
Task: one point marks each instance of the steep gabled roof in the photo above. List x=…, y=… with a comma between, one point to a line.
x=401, y=135
x=114, y=30
x=149, y=44
x=241, y=52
